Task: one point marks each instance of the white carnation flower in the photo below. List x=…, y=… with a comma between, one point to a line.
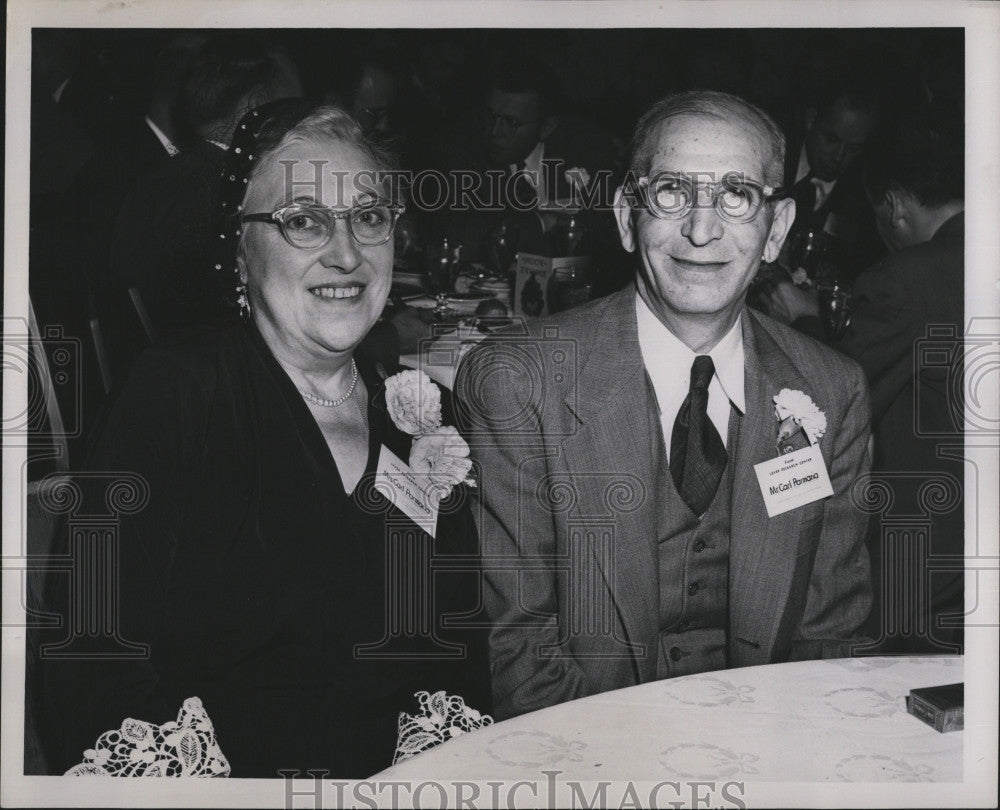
x=443, y=456
x=798, y=406
x=414, y=402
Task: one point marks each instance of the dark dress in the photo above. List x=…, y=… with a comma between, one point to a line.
x=254, y=578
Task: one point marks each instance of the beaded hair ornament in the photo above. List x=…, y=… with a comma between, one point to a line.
x=259, y=131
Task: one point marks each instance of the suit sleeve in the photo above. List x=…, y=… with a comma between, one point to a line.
x=839, y=593
x=880, y=338
x=518, y=541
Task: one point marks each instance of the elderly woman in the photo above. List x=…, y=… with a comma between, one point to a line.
x=267, y=574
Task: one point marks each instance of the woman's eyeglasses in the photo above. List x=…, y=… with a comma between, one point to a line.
x=311, y=226
x=671, y=195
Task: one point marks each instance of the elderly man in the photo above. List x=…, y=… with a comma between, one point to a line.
x=640, y=517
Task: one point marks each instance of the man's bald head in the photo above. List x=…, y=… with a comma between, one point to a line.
x=710, y=104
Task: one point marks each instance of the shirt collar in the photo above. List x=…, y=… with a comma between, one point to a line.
x=57, y=93
x=727, y=355
x=533, y=162
x=805, y=168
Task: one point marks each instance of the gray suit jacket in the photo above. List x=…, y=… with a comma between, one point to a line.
x=564, y=426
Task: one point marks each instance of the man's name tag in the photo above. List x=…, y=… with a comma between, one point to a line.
x=405, y=490
x=793, y=480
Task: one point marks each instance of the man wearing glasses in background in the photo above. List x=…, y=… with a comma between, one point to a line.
x=521, y=153
x=666, y=476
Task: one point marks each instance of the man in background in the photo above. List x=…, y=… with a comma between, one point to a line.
x=163, y=236
x=915, y=180
x=822, y=172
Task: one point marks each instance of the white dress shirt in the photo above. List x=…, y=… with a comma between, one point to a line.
x=823, y=187
x=533, y=171
x=668, y=363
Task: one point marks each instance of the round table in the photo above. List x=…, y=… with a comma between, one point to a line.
x=839, y=720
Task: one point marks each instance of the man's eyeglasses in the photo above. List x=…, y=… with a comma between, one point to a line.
x=311, y=226
x=671, y=195
x=506, y=122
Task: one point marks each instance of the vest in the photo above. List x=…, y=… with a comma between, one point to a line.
x=694, y=573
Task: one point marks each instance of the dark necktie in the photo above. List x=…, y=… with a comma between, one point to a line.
x=804, y=194
x=697, y=454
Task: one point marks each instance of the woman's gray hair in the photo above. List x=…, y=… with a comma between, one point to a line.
x=326, y=124
x=261, y=136
x=713, y=104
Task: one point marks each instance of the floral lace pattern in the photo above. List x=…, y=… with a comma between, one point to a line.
x=442, y=717
x=186, y=747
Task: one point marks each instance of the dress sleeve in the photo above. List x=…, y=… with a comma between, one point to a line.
x=100, y=666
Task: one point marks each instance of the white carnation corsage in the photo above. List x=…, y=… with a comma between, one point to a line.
x=794, y=410
x=438, y=452
x=414, y=402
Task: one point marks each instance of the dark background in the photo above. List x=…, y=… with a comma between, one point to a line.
x=610, y=75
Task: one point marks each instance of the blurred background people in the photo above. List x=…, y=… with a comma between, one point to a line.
x=823, y=174
x=915, y=182
x=158, y=282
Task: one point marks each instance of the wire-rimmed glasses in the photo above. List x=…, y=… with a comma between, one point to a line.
x=310, y=226
x=671, y=195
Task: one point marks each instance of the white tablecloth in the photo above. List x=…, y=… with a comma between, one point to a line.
x=835, y=721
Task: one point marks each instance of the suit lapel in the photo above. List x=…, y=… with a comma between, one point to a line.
x=613, y=454
x=763, y=550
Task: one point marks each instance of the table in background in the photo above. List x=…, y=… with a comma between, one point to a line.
x=839, y=720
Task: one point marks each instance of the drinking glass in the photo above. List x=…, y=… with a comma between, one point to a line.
x=501, y=245
x=442, y=270
x=569, y=288
x=808, y=250
x=835, y=311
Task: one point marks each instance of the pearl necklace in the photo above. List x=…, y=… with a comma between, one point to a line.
x=333, y=403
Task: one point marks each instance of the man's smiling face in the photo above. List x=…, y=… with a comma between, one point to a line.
x=700, y=264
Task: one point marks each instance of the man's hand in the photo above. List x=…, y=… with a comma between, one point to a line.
x=787, y=303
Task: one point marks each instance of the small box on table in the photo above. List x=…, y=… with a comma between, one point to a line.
x=941, y=707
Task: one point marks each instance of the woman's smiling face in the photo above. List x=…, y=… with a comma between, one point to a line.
x=307, y=302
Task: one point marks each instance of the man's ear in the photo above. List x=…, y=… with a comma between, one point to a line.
x=784, y=216
x=898, y=206
x=549, y=125
x=623, y=216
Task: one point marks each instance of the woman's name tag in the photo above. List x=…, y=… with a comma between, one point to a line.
x=412, y=494
x=793, y=480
